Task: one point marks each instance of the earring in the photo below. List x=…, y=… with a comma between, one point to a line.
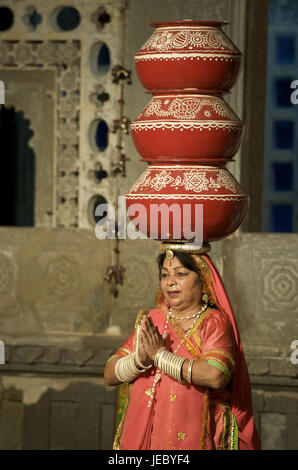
x=205, y=298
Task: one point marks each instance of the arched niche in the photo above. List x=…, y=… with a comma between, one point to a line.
x=17, y=176
x=32, y=93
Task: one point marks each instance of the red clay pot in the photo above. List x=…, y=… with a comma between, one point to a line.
x=188, y=54
x=224, y=203
x=187, y=127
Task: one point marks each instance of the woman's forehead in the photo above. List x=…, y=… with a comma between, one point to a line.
x=172, y=263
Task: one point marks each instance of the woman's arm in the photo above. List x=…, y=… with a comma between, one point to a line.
x=204, y=375
x=109, y=372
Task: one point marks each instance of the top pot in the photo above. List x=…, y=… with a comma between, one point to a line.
x=188, y=54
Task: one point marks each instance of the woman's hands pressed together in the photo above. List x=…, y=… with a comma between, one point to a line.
x=151, y=341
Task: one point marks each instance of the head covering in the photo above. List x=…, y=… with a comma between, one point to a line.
x=241, y=399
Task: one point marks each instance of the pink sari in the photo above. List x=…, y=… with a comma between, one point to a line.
x=184, y=416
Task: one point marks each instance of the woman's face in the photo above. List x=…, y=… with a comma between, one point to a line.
x=180, y=286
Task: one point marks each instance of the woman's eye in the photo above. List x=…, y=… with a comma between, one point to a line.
x=163, y=275
x=182, y=274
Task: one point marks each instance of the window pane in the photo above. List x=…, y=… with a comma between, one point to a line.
x=283, y=134
x=285, y=50
x=68, y=18
x=282, y=92
x=281, y=218
x=101, y=135
x=283, y=176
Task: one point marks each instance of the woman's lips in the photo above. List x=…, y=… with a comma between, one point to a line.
x=173, y=293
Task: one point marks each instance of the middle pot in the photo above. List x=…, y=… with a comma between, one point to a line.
x=187, y=127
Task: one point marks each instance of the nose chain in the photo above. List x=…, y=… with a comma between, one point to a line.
x=164, y=335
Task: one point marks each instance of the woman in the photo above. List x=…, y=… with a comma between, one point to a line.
x=189, y=385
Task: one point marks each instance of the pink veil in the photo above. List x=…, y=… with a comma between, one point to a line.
x=241, y=399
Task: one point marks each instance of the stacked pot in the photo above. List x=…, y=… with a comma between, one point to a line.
x=188, y=133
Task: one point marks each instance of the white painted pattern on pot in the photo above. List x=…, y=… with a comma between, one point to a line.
x=193, y=180
x=199, y=39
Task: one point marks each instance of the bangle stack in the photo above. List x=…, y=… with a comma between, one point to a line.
x=189, y=371
x=126, y=369
x=169, y=363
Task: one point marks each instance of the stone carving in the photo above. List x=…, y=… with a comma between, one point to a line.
x=7, y=276
x=62, y=278
x=279, y=284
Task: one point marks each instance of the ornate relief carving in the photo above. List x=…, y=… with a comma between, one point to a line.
x=138, y=269
x=279, y=284
x=63, y=277
x=7, y=277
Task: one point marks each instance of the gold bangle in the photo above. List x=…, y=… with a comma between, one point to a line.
x=189, y=371
x=171, y=364
x=126, y=369
x=163, y=348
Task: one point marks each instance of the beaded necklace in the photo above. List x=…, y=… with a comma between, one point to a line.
x=164, y=335
x=177, y=317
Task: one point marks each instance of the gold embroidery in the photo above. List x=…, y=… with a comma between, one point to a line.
x=197, y=340
x=187, y=341
x=205, y=415
x=140, y=316
x=117, y=439
x=181, y=436
x=173, y=397
x=149, y=392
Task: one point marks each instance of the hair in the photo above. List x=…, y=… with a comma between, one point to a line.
x=184, y=259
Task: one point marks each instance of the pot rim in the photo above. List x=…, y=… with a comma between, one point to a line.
x=189, y=23
x=186, y=91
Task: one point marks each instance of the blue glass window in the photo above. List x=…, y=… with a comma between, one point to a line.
x=283, y=176
x=34, y=18
x=282, y=92
x=281, y=218
x=285, y=49
x=101, y=135
x=103, y=58
x=283, y=134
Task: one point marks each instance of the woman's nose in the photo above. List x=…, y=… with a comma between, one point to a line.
x=171, y=280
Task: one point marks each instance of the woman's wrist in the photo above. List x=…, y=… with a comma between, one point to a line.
x=141, y=365
x=170, y=363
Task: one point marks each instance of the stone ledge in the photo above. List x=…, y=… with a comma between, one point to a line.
x=272, y=382
x=272, y=366
x=46, y=359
